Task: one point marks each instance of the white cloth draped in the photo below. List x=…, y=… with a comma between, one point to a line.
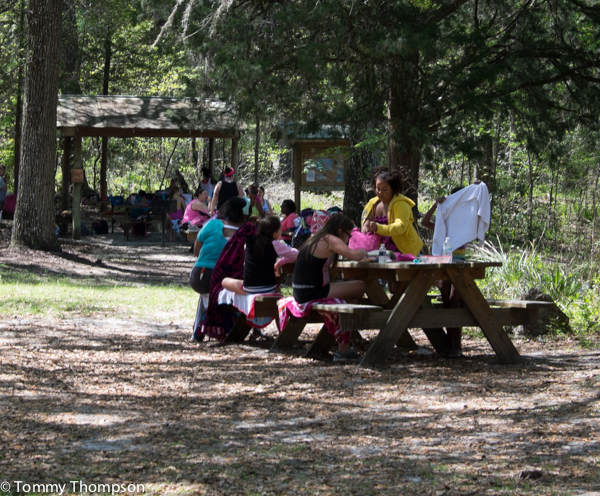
x=463, y=217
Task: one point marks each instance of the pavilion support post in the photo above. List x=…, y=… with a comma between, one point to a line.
x=297, y=177
x=103, y=168
x=234, y=153
x=211, y=156
x=66, y=172
x=76, y=213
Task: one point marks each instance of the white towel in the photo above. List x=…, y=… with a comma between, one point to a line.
x=463, y=217
x=245, y=304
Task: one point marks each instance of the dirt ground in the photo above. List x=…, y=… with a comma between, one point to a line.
x=115, y=401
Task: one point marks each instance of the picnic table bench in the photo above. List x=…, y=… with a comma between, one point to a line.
x=266, y=306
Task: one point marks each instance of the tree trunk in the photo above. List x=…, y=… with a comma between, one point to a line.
x=404, y=149
x=19, y=105
x=105, y=85
x=530, y=201
x=354, y=194
x=35, y=211
x=359, y=165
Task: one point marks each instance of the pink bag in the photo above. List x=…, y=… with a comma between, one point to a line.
x=364, y=241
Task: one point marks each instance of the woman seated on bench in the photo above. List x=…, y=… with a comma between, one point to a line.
x=311, y=274
x=196, y=213
x=261, y=260
x=208, y=247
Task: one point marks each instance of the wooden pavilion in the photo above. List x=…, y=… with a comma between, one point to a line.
x=138, y=117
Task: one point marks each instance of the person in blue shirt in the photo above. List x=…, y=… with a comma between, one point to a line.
x=208, y=246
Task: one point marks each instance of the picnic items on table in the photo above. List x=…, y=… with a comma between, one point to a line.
x=463, y=217
x=371, y=242
x=289, y=307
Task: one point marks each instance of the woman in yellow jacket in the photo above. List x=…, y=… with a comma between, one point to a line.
x=390, y=212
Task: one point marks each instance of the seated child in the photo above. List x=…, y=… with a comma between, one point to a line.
x=260, y=260
x=288, y=210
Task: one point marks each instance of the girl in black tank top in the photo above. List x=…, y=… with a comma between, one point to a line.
x=259, y=261
x=311, y=273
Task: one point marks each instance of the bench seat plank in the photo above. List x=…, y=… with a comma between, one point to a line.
x=347, y=308
x=437, y=318
x=517, y=303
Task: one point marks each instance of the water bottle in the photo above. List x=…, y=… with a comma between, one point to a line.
x=382, y=254
x=447, y=250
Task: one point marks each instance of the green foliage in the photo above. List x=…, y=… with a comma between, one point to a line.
x=572, y=285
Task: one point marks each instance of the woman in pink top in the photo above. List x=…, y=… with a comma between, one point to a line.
x=196, y=213
x=288, y=209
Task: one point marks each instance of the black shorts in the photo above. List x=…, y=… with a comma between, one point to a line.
x=199, y=280
x=304, y=295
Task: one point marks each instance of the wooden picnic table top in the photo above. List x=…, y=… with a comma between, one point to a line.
x=411, y=265
x=406, y=271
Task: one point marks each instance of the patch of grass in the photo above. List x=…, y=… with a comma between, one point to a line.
x=58, y=296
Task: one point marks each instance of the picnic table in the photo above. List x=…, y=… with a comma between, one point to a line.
x=410, y=307
x=156, y=209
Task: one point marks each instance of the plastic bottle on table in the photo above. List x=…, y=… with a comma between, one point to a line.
x=447, y=250
x=382, y=254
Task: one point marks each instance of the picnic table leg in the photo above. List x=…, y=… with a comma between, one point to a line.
x=489, y=323
x=401, y=316
x=399, y=291
x=163, y=219
x=288, y=336
x=322, y=344
x=239, y=331
x=378, y=296
x=406, y=342
x=437, y=336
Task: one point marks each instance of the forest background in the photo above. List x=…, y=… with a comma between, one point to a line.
x=447, y=92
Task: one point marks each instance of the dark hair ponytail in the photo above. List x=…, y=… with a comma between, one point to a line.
x=267, y=227
x=333, y=226
x=232, y=210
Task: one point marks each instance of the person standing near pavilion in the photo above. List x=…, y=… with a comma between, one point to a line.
x=208, y=183
x=225, y=189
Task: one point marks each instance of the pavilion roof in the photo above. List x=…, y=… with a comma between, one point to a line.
x=145, y=116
